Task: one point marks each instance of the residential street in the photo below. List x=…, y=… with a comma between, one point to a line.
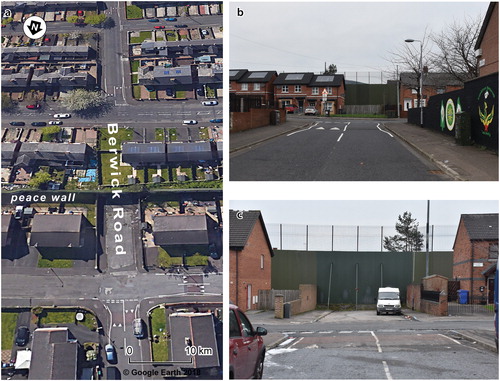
x=362, y=345
x=333, y=149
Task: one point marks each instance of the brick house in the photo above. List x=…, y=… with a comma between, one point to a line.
x=249, y=258
x=306, y=90
x=487, y=42
x=475, y=255
x=257, y=85
x=433, y=84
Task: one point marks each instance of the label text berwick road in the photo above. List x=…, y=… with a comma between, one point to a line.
x=113, y=162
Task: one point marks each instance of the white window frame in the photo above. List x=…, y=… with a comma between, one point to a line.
x=244, y=87
x=298, y=88
x=256, y=86
x=284, y=89
x=315, y=91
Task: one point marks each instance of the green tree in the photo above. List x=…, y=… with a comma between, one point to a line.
x=7, y=103
x=93, y=18
x=72, y=19
x=331, y=70
x=81, y=99
x=7, y=20
x=408, y=239
x=40, y=178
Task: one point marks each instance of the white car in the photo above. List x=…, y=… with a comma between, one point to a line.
x=62, y=116
x=55, y=122
x=209, y=103
x=310, y=111
x=189, y=122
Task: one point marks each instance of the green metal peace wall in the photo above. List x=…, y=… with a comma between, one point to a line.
x=354, y=277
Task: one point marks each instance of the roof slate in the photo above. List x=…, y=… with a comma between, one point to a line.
x=481, y=226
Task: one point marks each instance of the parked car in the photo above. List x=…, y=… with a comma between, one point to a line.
x=22, y=336
x=33, y=107
x=17, y=123
x=79, y=13
x=388, y=300
x=18, y=214
x=216, y=120
x=110, y=353
x=159, y=27
x=62, y=116
x=170, y=92
x=153, y=20
x=181, y=26
x=204, y=32
x=138, y=327
x=38, y=124
x=209, y=103
x=189, y=122
x=55, y=122
x=246, y=347
x=170, y=19
x=290, y=109
x=310, y=111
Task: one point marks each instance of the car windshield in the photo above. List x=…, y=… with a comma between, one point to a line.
x=388, y=296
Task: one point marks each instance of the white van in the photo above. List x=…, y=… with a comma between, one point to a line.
x=388, y=300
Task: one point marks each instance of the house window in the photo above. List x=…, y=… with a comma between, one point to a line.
x=256, y=86
x=298, y=88
x=315, y=91
x=284, y=89
x=312, y=104
x=244, y=87
x=493, y=253
x=262, y=261
x=329, y=90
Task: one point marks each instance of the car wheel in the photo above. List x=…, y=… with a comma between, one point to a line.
x=259, y=369
x=378, y=312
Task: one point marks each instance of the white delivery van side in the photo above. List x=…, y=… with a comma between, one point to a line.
x=388, y=300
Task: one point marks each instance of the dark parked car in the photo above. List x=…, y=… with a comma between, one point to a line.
x=138, y=326
x=16, y=123
x=181, y=26
x=153, y=20
x=22, y=337
x=170, y=19
x=216, y=120
x=246, y=347
x=38, y=124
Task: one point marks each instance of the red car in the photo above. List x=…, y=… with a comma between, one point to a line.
x=246, y=347
x=159, y=27
x=290, y=109
x=33, y=107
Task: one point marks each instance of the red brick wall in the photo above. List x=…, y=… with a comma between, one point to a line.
x=266, y=90
x=245, y=269
x=306, y=93
x=241, y=121
x=427, y=92
x=489, y=46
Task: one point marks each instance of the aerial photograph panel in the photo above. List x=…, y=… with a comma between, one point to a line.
x=111, y=184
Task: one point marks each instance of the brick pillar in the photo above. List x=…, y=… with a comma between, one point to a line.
x=279, y=306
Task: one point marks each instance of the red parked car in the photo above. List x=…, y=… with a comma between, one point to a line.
x=33, y=107
x=246, y=347
x=290, y=109
x=159, y=27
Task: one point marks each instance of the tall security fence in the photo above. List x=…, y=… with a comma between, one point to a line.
x=351, y=238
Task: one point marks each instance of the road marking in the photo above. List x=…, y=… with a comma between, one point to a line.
x=334, y=129
x=307, y=129
x=378, y=126
x=340, y=137
x=387, y=372
x=286, y=342
x=123, y=304
x=345, y=128
x=298, y=341
x=455, y=341
x=376, y=342
x=325, y=332
x=320, y=128
x=346, y=332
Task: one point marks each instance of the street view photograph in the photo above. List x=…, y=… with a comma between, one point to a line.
x=363, y=289
x=347, y=91
x=112, y=258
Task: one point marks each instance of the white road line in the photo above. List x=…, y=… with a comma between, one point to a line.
x=307, y=129
x=345, y=332
x=387, y=372
x=378, y=126
x=123, y=301
x=325, y=332
x=345, y=128
x=455, y=341
x=298, y=341
x=286, y=342
x=340, y=137
x=376, y=342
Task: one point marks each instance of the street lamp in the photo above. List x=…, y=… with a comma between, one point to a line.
x=409, y=40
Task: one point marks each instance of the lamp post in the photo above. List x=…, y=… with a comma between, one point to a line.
x=421, y=87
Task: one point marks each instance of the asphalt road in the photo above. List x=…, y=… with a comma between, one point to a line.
x=389, y=354
x=344, y=150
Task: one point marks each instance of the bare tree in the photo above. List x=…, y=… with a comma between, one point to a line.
x=456, y=54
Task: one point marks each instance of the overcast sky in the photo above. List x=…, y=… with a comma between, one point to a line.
x=367, y=213
x=302, y=36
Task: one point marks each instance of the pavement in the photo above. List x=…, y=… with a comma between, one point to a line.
x=462, y=163
x=483, y=338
